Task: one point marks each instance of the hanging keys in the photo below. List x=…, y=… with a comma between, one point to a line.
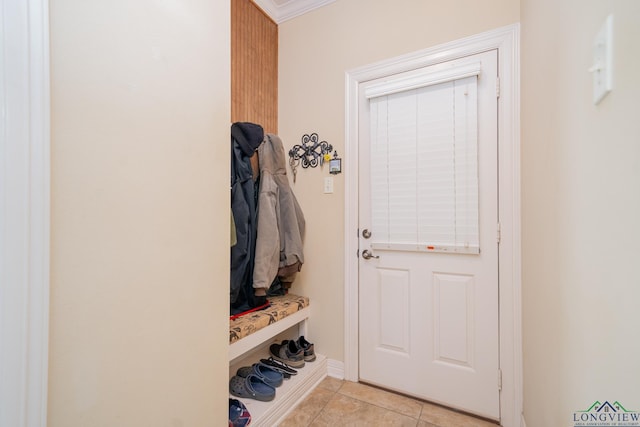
x=294, y=164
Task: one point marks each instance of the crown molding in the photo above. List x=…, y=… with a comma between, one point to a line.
x=283, y=10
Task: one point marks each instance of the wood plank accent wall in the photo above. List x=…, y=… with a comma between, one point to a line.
x=254, y=66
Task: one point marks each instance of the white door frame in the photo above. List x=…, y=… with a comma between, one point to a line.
x=507, y=41
x=24, y=212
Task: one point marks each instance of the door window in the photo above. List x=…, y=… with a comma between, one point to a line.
x=424, y=167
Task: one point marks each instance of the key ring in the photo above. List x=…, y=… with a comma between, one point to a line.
x=293, y=163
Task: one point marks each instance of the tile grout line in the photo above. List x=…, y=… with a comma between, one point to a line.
x=323, y=407
x=357, y=397
x=323, y=411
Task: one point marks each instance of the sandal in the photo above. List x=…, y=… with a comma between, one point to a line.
x=252, y=387
x=286, y=370
x=268, y=374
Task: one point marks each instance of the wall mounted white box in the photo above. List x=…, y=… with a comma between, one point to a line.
x=602, y=68
x=328, y=185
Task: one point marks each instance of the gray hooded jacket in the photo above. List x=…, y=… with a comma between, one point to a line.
x=280, y=219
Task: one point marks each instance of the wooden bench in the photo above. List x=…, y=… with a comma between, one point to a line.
x=249, y=337
x=251, y=330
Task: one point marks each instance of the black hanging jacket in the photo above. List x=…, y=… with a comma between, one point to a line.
x=245, y=139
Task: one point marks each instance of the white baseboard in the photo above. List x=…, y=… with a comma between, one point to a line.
x=335, y=369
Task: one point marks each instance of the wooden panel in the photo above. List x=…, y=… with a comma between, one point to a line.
x=254, y=66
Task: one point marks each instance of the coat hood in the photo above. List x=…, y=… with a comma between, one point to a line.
x=248, y=136
x=272, y=157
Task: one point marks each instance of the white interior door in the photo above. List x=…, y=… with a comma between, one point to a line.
x=428, y=266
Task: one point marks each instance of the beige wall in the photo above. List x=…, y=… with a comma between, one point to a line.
x=580, y=204
x=140, y=216
x=315, y=51
x=140, y=165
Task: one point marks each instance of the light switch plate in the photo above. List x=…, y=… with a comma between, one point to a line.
x=328, y=185
x=602, y=68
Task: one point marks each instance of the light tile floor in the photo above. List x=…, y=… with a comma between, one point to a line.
x=343, y=403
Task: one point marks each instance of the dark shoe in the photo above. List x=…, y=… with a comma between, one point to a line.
x=285, y=369
x=288, y=352
x=259, y=301
x=268, y=374
x=239, y=415
x=252, y=387
x=307, y=347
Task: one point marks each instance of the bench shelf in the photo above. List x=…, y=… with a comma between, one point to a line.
x=250, y=337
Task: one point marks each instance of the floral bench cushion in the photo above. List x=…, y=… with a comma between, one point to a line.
x=281, y=307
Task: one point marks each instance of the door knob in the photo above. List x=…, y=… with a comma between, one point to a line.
x=366, y=233
x=366, y=254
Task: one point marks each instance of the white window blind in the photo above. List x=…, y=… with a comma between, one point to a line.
x=424, y=168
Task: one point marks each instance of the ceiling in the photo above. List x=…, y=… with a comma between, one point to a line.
x=282, y=10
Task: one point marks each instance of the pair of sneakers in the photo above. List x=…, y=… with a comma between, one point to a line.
x=293, y=353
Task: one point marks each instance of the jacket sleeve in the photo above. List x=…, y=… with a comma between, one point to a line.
x=268, y=241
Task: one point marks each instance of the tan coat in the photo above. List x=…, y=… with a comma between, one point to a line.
x=280, y=219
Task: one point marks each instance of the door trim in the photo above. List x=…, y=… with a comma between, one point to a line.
x=507, y=41
x=24, y=212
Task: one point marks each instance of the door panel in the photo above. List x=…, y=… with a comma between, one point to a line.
x=393, y=303
x=453, y=319
x=428, y=299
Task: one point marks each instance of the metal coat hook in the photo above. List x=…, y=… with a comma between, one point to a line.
x=311, y=152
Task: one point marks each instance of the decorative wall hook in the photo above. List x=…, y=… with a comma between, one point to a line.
x=311, y=152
